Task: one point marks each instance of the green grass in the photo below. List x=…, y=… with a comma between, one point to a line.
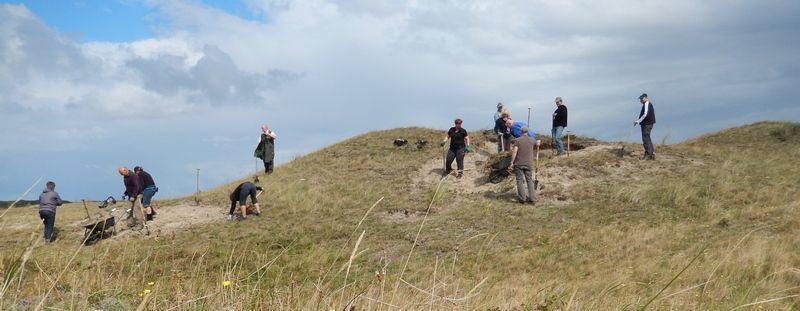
x=628, y=228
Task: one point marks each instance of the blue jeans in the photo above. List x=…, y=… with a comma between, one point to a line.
x=557, y=132
x=147, y=195
x=49, y=219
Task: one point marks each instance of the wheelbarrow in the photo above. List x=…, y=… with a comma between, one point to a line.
x=98, y=230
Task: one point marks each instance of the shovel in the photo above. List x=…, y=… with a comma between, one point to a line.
x=621, y=152
x=536, y=170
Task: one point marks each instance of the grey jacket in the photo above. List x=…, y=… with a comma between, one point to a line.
x=49, y=200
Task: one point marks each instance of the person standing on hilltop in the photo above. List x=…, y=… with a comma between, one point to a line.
x=149, y=189
x=522, y=165
x=503, y=131
x=49, y=200
x=647, y=118
x=559, y=123
x=133, y=191
x=459, y=144
x=240, y=195
x=499, y=113
x=265, y=150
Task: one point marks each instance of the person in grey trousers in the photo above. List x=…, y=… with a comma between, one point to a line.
x=49, y=200
x=522, y=165
x=647, y=118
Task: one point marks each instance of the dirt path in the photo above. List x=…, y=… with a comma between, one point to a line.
x=170, y=219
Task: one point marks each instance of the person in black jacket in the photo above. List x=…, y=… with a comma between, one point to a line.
x=559, y=123
x=240, y=195
x=647, y=117
x=149, y=189
x=133, y=191
x=503, y=132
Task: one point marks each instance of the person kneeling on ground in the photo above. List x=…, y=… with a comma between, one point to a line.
x=522, y=165
x=240, y=195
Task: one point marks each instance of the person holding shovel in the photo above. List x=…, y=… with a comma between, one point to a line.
x=133, y=191
x=265, y=150
x=149, y=190
x=559, y=123
x=49, y=200
x=522, y=164
x=240, y=195
x=459, y=144
x=503, y=131
x=647, y=118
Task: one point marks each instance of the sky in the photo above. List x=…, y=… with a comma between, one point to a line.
x=181, y=85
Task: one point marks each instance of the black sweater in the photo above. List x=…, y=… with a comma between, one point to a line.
x=560, y=116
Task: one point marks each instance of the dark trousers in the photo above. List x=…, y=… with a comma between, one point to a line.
x=646, y=141
x=49, y=220
x=268, y=166
x=458, y=155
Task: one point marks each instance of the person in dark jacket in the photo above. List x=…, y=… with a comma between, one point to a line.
x=240, y=195
x=559, y=123
x=459, y=144
x=49, y=200
x=265, y=150
x=647, y=118
x=133, y=191
x=149, y=189
x=503, y=132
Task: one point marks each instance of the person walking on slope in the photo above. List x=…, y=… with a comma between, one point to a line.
x=459, y=144
x=265, y=150
x=49, y=200
x=559, y=123
x=503, y=131
x=149, y=189
x=647, y=118
x=240, y=195
x=133, y=191
x=522, y=165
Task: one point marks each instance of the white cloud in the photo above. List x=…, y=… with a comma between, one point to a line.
x=335, y=68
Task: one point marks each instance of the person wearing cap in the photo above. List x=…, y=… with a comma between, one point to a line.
x=559, y=123
x=522, y=156
x=240, y=195
x=647, y=118
x=499, y=113
x=503, y=131
x=149, y=189
x=265, y=150
x=49, y=201
x=459, y=144
x=133, y=191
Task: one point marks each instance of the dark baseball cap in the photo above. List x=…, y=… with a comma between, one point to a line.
x=643, y=95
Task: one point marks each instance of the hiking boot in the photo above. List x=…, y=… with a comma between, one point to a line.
x=229, y=217
x=446, y=172
x=243, y=217
x=148, y=217
x=458, y=175
x=258, y=214
x=530, y=202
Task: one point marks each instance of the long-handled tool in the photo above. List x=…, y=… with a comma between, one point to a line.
x=536, y=170
x=86, y=209
x=622, y=144
x=138, y=203
x=256, y=172
x=568, y=134
x=502, y=143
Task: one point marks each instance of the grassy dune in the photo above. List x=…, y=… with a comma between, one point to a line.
x=711, y=225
